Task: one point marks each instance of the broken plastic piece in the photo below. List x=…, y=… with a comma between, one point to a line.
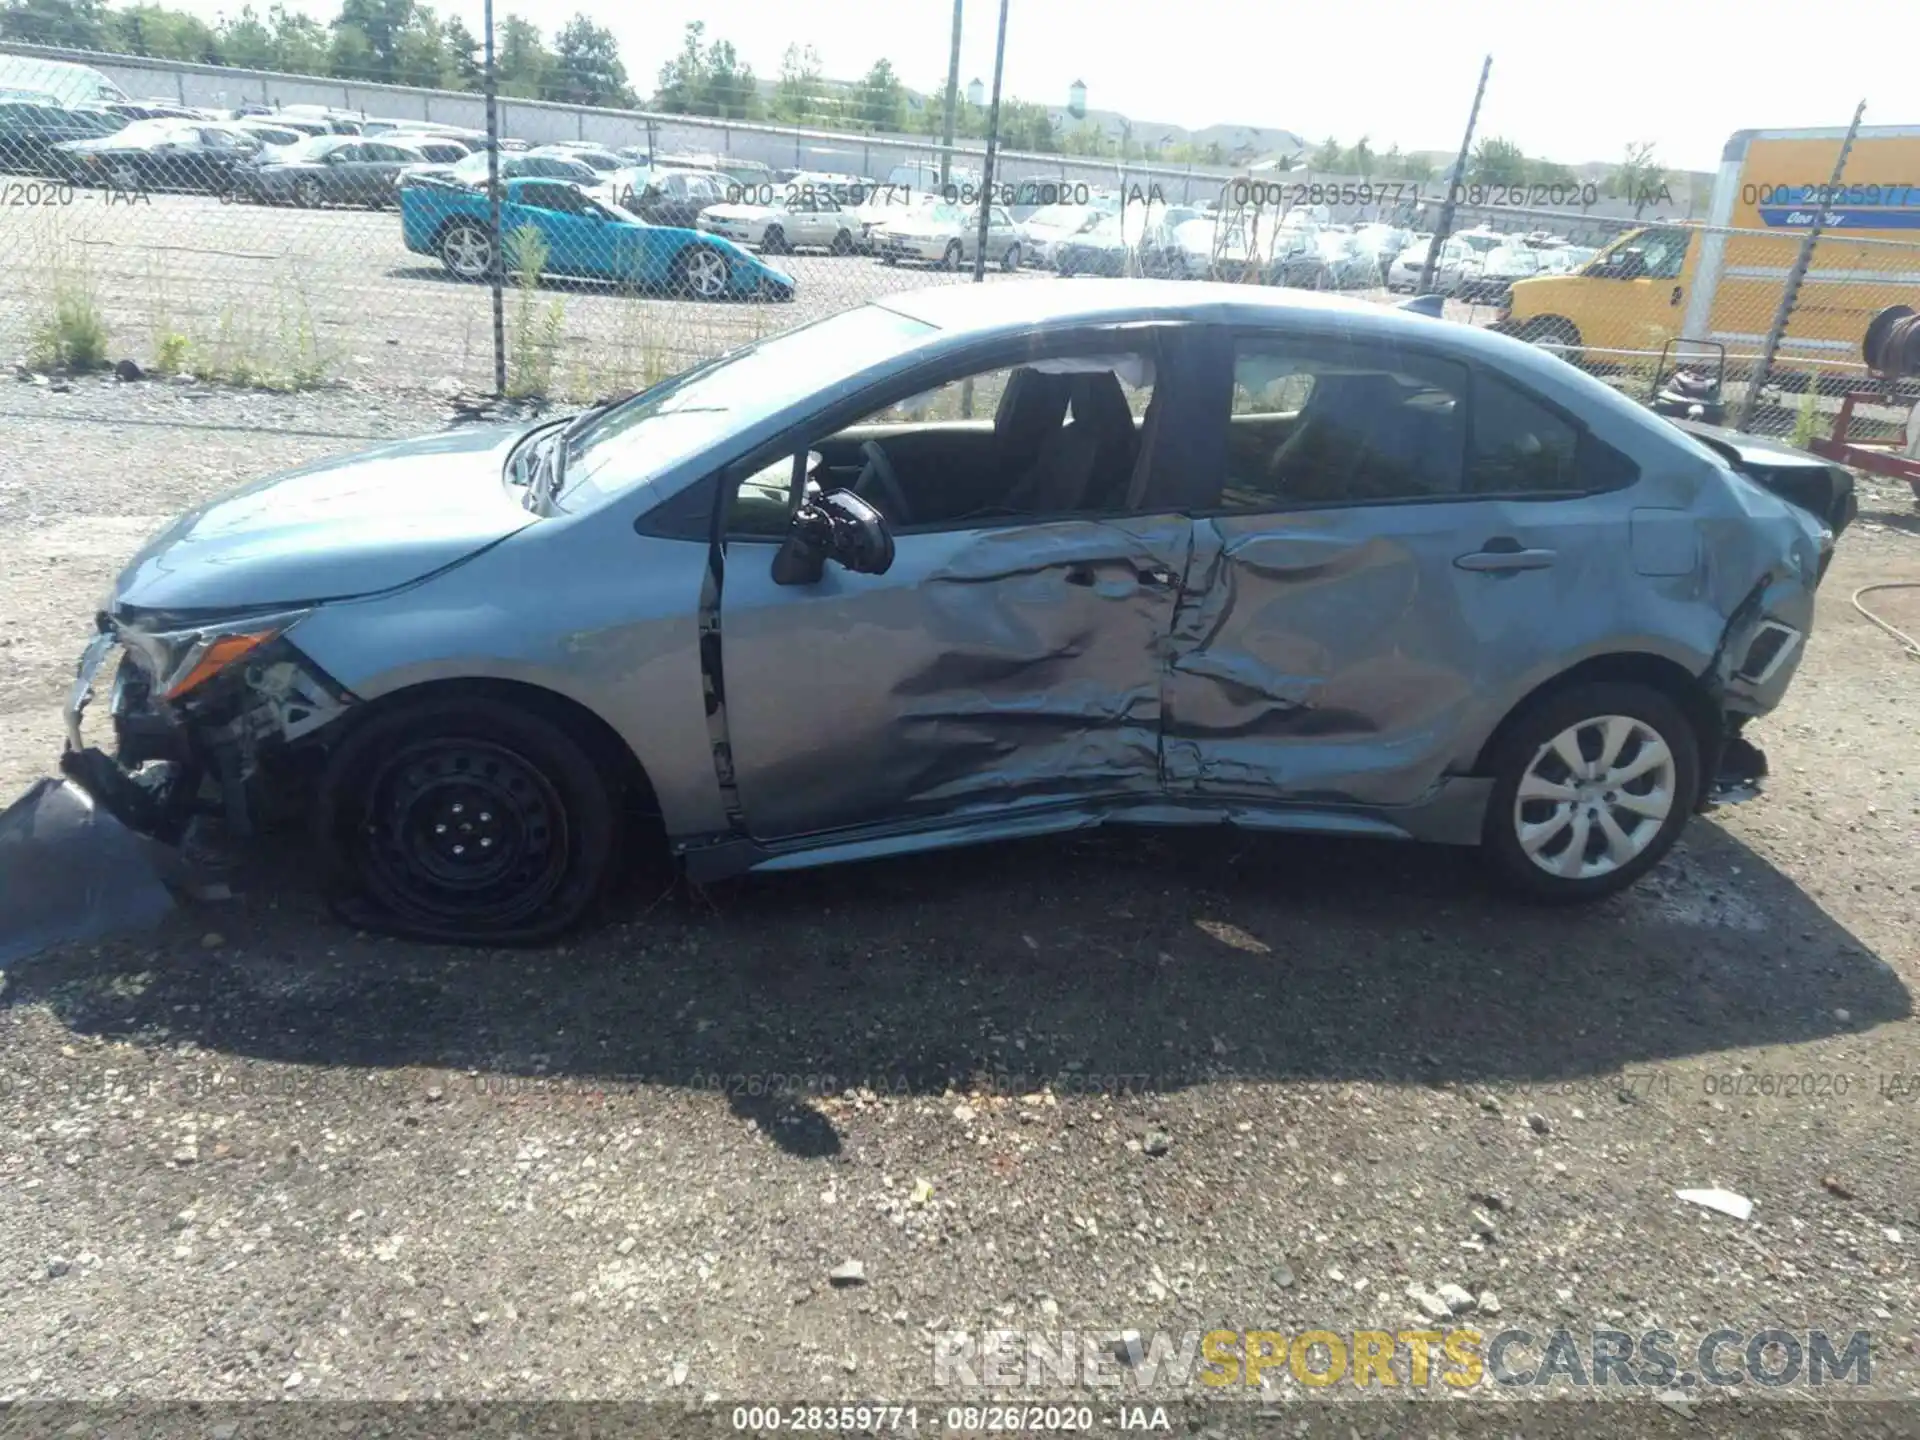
x=1725, y=1201
x=70, y=870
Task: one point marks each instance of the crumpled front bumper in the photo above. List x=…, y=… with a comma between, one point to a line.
x=169, y=763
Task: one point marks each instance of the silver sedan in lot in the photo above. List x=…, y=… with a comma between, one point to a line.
x=967, y=564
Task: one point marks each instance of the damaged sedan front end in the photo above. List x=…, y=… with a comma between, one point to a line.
x=201, y=713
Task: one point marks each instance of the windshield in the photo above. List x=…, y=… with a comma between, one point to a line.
x=678, y=418
x=474, y=167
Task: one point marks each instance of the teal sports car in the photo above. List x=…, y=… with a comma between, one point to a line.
x=586, y=237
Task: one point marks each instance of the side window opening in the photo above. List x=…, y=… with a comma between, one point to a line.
x=1045, y=440
x=1316, y=423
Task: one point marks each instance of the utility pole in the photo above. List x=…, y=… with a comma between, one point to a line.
x=1790, y=292
x=993, y=149
x=953, y=100
x=496, y=261
x=1454, y=181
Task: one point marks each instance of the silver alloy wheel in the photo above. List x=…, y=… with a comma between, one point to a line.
x=467, y=252
x=1594, y=797
x=707, y=273
x=123, y=175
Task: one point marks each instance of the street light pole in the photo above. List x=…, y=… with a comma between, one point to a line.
x=496, y=261
x=993, y=149
x=953, y=100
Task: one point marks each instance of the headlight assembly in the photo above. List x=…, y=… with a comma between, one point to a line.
x=178, y=662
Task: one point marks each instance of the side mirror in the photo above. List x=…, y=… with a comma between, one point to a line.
x=839, y=526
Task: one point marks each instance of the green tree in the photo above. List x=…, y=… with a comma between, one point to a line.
x=879, y=101
x=166, y=34
x=683, y=79
x=420, y=54
x=732, y=92
x=588, y=69
x=300, y=45
x=1027, y=126
x=382, y=23
x=1360, y=160
x=463, y=54
x=1327, y=157
x=1638, y=178
x=799, y=95
x=523, y=66
x=77, y=23
x=246, y=41
x=350, y=53
x=1497, y=162
x=1551, y=172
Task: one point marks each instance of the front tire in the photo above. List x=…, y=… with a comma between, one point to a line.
x=774, y=241
x=702, y=273
x=842, y=243
x=466, y=251
x=466, y=819
x=1011, y=260
x=307, y=192
x=951, y=257
x=1591, y=787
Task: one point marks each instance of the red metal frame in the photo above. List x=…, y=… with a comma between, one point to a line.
x=1863, y=456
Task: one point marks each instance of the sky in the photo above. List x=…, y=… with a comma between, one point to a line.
x=1570, y=82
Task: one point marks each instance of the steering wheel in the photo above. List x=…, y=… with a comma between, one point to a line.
x=877, y=476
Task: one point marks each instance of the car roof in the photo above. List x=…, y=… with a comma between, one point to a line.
x=1022, y=306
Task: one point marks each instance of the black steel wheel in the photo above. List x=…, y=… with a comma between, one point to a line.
x=469, y=820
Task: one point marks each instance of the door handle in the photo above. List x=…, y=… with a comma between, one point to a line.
x=1674, y=298
x=1155, y=577
x=1080, y=575
x=1506, y=562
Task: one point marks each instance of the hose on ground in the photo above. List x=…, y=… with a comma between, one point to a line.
x=1907, y=642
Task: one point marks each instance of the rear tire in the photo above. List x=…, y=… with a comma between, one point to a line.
x=951, y=257
x=466, y=818
x=1579, y=832
x=842, y=244
x=774, y=241
x=307, y=192
x=1011, y=260
x=1556, y=332
x=702, y=273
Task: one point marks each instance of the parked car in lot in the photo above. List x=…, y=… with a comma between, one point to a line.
x=669, y=196
x=328, y=170
x=1140, y=240
x=1566, y=259
x=271, y=137
x=1222, y=555
x=435, y=149
x=883, y=205
x=518, y=166
x=948, y=236
x=1489, y=279
x=1455, y=257
x=1042, y=232
x=32, y=132
x=585, y=238
x=594, y=157
x=798, y=216
x=160, y=155
x=1350, y=264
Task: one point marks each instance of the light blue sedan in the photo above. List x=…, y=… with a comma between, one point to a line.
x=586, y=238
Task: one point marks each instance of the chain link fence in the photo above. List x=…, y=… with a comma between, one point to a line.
x=291, y=242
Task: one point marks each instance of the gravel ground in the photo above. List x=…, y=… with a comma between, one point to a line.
x=1158, y=1082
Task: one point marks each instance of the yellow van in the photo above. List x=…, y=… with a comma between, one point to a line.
x=1721, y=281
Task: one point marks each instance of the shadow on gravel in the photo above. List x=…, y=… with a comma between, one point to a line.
x=1135, y=962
